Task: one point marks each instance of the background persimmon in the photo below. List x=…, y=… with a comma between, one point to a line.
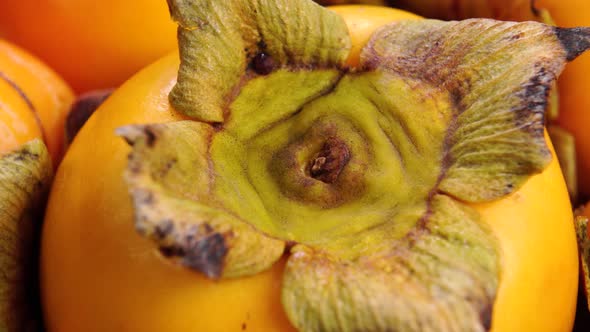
x=34, y=101
x=99, y=275
x=574, y=99
x=92, y=44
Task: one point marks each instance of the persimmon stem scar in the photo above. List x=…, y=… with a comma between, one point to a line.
x=329, y=161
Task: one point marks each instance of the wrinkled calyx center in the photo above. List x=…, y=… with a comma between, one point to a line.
x=329, y=162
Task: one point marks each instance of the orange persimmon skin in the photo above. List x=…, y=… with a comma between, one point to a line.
x=98, y=274
x=92, y=44
x=34, y=102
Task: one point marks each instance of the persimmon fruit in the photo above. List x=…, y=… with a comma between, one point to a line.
x=98, y=274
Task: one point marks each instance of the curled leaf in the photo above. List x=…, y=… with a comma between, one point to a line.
x=25, y=175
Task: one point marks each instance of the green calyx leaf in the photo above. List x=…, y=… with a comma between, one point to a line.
x=420, y=282
x=497, y=91
x=171, y=185
x=223, y=42
x=361, y=176
x=25, y=175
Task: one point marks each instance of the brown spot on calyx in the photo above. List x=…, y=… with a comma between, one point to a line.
x=164, y=228
x=217, y=127
x=130, y=142
x=534, y=96
x=150, y=136
x=329, y=162
x=263, y=63
x=485, y=315
x=574, y=40
x=167, y=167
x=82, y=109
x=207, y=254
x=25, y=155
x=516, y=36
x=27, y=101
x=200, y=247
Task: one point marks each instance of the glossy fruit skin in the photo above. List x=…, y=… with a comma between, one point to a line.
x=574, y=99
x=92, y=44
x=34, y=101
x=99, y=275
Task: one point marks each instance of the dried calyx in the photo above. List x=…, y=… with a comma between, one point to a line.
x=365, y=173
